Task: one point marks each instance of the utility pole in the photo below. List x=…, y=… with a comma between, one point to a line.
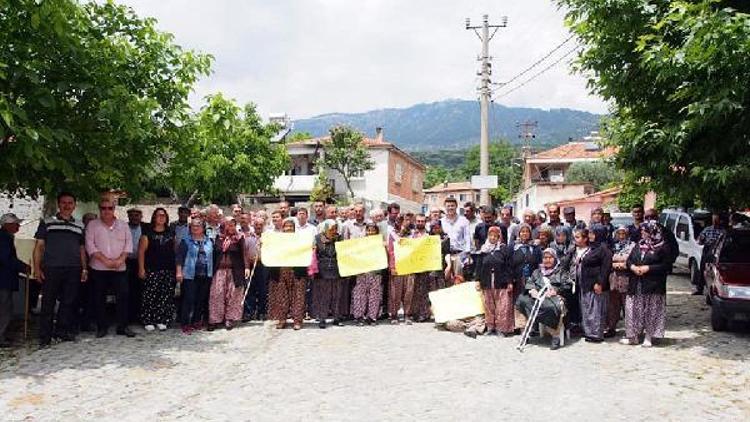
x=483, y=32
x=527, y=134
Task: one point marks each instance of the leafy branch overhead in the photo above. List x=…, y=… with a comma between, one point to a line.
x=347, y=154
x=89, y=93
x=676, y=74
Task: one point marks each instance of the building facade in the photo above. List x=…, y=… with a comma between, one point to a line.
x=435, y=196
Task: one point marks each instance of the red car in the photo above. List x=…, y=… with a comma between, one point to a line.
x=728, y=279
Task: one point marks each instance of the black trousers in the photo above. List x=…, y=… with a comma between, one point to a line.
x=59, y=284
x=135, y=292
x=256, y=303
x=195, y=295
x=118, y=281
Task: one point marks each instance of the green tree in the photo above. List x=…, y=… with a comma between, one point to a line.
x=322, y=191
x=225, y=150
x=438, y=174
x=503, y=163
x=676, y=75
x=89, y=92
x=600, y=174
x=346, y=154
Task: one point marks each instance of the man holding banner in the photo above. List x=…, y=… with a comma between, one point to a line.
x=420, y=307
x=457, y=229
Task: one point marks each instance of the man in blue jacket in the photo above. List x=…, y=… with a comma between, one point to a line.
x=10, y=266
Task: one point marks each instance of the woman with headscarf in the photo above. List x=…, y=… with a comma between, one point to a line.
x=496, y=277
x=551, y=310
x=286, y=292
x=437, y=278
x=526, y=256
x=562, y=245
x=367, y=293
x=589, y=267
x=622, y=246
x=646, y=302
x=232, y=271
x=326, y=288
x=400, y=287
x=546, y=237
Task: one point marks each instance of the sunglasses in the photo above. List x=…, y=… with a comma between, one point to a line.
x=106, y=208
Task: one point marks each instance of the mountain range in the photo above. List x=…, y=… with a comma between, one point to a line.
x=454, y=124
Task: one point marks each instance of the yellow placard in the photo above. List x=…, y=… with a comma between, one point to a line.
x=362, y=255
x=286, y=249
x=457, y=302
x=417, y=255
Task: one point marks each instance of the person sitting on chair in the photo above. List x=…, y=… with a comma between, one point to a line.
x=553, y=307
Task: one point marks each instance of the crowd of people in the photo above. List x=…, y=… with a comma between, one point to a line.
x=204, y=271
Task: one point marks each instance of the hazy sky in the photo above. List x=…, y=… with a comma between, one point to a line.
x=308, y=57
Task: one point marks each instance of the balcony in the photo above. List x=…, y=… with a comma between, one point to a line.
x=295, y=184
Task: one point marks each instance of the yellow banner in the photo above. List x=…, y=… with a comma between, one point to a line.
x=286, y=249
x=457, y=302
x=25, y=252
x=417, y=255
x=362, y=255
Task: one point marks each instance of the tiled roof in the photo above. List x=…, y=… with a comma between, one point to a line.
x=575, y=150
x=450, y=187
x=324, y=139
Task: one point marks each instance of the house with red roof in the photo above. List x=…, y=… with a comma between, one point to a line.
x=396, y=176
x=544, y=173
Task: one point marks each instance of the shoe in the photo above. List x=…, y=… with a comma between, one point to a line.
x=408, y=321
x=127, y=332
x=187, y=329
x=322, y=324
x=646, y=342
x=4, y=344
x=161, y=327
x=627, y=342
x=491, y=332
x=149, y=328
x=697, y=293
x=297, y=327
x=67, y=337
x=338, y=323
x=369, y=321
x=509, y=334
x=534, y=333
x=230, y=325
x=555, y=343
x=198, y=326
x=471, y=334
x=44, y=345
x=211, y=327
x=360, y=322
x=610, y=333
x=281, y=325
x=101, y=332
x=593, y=340
x=394, y=322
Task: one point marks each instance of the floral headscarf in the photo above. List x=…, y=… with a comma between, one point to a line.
x=549, y=271
x=228, y=240
x=490, y=247
x=324, y=227
x=622, y=245
x=655, y=238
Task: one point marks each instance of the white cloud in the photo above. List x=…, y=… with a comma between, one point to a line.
x=307, y=57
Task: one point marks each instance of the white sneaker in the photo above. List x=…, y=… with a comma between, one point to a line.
x=149, y=327
x=161, y=327
x=646, y=342
x=626, y=341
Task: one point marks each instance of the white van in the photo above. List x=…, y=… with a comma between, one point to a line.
x=686, y=226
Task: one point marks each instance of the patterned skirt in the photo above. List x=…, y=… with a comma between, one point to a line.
x=158, y=298
x=286, y=297
x=645, y=313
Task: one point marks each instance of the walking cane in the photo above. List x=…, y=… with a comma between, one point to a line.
x=533, y=314
x=26, y=306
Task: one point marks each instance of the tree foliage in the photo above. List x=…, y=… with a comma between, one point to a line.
x=346, y=154
x=88, y=94
x=224, y=150
x=503, y=163
x=322, y=191
x=600, y=174
x=676, y=73
x=436, y=174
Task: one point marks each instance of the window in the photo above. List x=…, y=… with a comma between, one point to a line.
x=416, y=184
x=683, y=230
x=461, y=197
x=671, y=220
x=527, y=199
x=399, y=173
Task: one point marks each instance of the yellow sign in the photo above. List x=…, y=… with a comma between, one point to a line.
x=417, y=255
x=457, y=302
x=286, y=249
x=25, y=252
x=362, y=255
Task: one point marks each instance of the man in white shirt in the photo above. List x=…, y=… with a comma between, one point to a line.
x=303, y=224
x=355, y=228
x=457, y=229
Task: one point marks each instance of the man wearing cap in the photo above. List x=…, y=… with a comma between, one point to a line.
x=60, y=265
x=10, y=266
x=180, y=228
x=135, y=284
x=569, y=214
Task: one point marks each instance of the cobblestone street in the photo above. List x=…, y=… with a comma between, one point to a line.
x=384, y=373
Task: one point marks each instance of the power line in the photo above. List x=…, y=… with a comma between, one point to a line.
x=553, y=64
x=536, y=63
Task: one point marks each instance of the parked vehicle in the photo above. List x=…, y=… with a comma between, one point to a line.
x=621, y=219
x=686, y=226
x=728, y=279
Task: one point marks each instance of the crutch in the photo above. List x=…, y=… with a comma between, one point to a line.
x=533, y=314
x=249, y=280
